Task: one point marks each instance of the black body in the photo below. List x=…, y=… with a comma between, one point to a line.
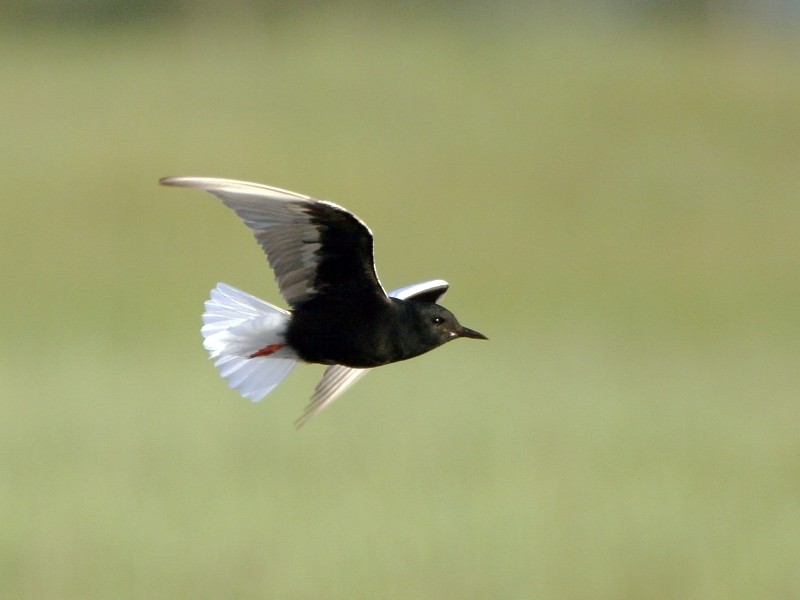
x=332, y=330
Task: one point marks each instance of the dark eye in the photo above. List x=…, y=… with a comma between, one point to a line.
x=437, y=320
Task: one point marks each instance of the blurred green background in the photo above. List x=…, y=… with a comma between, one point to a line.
x=613, y=199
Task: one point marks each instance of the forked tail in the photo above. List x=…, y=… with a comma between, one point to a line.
x=245, y=337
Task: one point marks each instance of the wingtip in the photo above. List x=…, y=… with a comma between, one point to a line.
x=311, y=411
x=298, y=424
x=336, y=380
x=180, y=181
x=202, y=183
x=219, y=186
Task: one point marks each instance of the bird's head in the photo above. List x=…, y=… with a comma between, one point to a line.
x=438, y=325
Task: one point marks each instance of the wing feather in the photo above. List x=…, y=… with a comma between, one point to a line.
x=313, y=246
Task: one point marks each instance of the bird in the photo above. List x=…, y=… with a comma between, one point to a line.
x=340, y=315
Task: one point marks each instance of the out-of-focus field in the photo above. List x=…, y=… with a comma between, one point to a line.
x=617, y=208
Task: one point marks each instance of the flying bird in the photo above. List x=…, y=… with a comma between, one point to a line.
x=322, y=257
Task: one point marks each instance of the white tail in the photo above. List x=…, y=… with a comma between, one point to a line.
x=237, y=326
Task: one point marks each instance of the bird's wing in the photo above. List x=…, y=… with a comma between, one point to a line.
x=337, y=379
x=429, y=291
x=335, y=382
x=418, y=290
x=313, y=246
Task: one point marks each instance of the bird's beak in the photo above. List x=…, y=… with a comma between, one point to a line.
x=471, y=333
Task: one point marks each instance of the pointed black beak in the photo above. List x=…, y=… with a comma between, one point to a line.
x=471, y=333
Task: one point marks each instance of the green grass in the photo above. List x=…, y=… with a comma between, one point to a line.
x=615, y=208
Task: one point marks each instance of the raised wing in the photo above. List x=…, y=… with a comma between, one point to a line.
x=337, y=379
x=429, y=291
x=313, y=246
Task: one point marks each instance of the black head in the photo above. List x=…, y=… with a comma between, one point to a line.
x=434, y=325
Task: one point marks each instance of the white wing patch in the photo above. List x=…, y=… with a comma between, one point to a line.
x=409, y=291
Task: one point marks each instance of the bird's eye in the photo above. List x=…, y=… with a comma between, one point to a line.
x=437, y=320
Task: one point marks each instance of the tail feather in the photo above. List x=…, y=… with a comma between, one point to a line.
x=237, y=325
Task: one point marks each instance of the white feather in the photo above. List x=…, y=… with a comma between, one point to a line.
x=237, y=325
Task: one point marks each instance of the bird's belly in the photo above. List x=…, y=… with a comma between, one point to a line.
x=340, y=350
